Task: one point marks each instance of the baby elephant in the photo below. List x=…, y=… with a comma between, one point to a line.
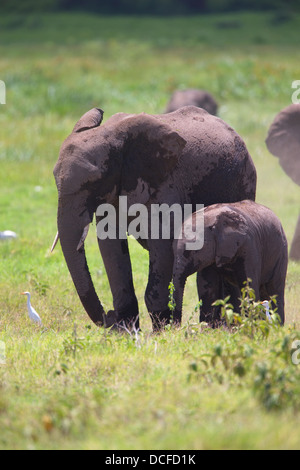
x=241, y=240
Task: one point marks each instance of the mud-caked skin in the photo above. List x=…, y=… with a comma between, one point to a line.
x=242, y=240
x=185, y=157
x=283, y=141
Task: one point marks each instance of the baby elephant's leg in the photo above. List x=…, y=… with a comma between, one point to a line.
x=209, y=285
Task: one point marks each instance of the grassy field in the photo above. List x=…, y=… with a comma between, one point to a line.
x=69, y=385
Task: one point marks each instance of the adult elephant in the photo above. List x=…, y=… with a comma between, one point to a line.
x=185, y=157
x=283, y=141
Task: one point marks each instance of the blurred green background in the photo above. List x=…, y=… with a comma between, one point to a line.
x=148, y=6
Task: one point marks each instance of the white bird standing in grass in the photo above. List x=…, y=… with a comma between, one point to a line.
x=32, y=313
x=266, y=305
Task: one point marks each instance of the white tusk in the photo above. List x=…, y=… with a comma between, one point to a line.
x=83, y=236
x=55, y=242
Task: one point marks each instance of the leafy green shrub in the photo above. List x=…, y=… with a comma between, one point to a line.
x=242, y=358
x=252, y=318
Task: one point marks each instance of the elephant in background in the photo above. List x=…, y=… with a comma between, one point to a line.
x=185, y=157
x=192, y=97
x=283, y=141
x=241, y=240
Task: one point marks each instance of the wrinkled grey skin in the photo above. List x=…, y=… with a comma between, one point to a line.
x=241, y=240
x=185, y=157
x=192, y=97
x=283, y=141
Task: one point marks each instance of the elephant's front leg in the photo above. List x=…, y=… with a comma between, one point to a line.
x=115, y=254
x=160, y=275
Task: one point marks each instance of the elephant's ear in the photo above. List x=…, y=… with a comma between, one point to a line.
x=283, y=140
x=230, y=235
x=89, y=120
x=151, y=151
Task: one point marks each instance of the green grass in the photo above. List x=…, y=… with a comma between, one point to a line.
x=90, y=390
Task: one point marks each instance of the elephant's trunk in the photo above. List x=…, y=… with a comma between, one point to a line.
x=71, y=229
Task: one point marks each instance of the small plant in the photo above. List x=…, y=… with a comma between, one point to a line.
x=171, y=304
x=62, y=369
x=277, y=379
x=193, y=327
x=276, y=383
x=252, y=318
x=226, y=310
x=37, y=284
x=74, y=343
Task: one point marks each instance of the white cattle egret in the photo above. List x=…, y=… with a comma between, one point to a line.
x=7, y=235
x=266, y=305
x=32, y=313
